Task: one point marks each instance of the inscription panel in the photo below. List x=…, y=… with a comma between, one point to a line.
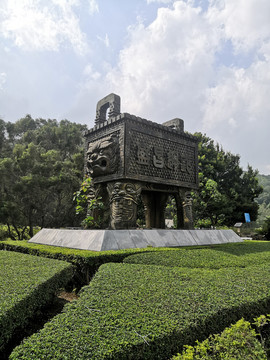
x=160, y=158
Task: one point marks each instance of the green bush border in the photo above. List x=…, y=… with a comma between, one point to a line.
x=138, y=312
x=242, y=254
x=87, y=262
x=38, y=290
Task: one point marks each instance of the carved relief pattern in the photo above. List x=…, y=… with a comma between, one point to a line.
x=103, y=156
x=157, y=157
x=142, y=155
x=187, y=208
x=123, y=200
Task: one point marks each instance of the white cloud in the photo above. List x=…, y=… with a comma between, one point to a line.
x=241, y=94
x=159, y=1
x=93, y=7
x=90, y=73
x=164, y=70
x=105, y=40
x=3, y=77
x=232, y=123
x=42, y=25
x=245, y=22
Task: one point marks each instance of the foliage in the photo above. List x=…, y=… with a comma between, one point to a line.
x=262, y=326
x=263, y=213
x=41, y=165
x=170, y=210
x=241, y=255
x=266, y=228
x=88, y=205
x=27, y=283
x=264, y=199
x=237, y=342
x=225, y=192
x=213, y=257
x=8, y=231
x=140, y=213
x=86, y=262
x=149, y=312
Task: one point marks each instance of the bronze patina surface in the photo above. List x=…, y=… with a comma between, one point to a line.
x=129, y=157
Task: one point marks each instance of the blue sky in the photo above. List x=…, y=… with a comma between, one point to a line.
x=205, y=61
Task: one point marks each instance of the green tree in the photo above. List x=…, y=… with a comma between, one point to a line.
x=88, y=205
x=40, y=175
x=264, y=199
x=225, y=192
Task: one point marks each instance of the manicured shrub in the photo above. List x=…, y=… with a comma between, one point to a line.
x=86, y=262
x=238, y=342
x=131, y=311
x=213, y=257
x=26, y=284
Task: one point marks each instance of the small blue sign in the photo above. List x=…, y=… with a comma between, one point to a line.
x=247, y=217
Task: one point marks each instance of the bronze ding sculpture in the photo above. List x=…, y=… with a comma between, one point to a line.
x=129, y=157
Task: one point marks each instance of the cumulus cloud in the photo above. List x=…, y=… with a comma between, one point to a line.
x=42, y=25
x=93, y=7
x=2, y=80
x=241, y=94
x=169, y=66
x=105, y=40
x=159, y=1
x=244, y=22
x=90, y=73
x=166, y=66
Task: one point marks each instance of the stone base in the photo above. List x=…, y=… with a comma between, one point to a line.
x=101, y=240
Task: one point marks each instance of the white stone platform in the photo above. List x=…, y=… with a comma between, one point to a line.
x=101, y=240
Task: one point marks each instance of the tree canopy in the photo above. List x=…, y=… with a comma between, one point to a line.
x=264, y=198
x=41, y=165
x=226, y=191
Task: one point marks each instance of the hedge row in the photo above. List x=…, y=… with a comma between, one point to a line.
x=238, y=342
x=137, y=312
x=229, y=255
x=26, y=284
x=86, y=261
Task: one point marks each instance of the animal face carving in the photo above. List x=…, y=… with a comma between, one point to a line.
x=123, y=201
x=102, y=156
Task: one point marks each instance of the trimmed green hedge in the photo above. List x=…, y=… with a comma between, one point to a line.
x=238, y=342
x=137, y=312
x=26, y=284
x=212, y=257
x=86, y=261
